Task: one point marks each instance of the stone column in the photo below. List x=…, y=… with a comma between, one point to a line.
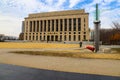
x=46, y=30
x=72, y=30
x=76, y=29
x=35, y=30
x=28, y=30
x=59, y=29
x=97, y=34
x=32, y=30
x=82, y=28
x=67, y=33
x=32, y=26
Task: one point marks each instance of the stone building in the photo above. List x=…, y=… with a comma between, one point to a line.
x=64, y=26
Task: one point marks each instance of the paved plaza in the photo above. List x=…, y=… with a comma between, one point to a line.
x=11, y=72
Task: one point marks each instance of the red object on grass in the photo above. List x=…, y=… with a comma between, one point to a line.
x=90, y=48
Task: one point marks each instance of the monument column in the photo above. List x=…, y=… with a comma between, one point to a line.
x=97, y=30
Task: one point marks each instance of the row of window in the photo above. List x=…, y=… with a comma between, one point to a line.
x=56, y=38
x=65, y=24
x=56, y=33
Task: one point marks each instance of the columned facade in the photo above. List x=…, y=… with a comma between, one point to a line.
x=61, y=26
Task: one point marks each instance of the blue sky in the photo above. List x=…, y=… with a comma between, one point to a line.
x=13, y=12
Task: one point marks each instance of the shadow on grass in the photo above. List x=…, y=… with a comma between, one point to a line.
x=71, y=54
x=116, y=49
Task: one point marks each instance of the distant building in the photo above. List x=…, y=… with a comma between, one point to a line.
x=92, y=35
x=2, y=37
x=23, y=26
x=71, y=26
x=21, y=36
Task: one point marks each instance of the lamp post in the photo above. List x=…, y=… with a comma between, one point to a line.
x=97, y=30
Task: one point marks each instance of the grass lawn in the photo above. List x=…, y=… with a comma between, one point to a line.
x=70, y=53
x=29, y=45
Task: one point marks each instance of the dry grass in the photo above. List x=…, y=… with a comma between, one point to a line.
x=116, y=49
x=25, y=45
x=71, y=54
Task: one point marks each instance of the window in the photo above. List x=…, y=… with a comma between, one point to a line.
x=74, y=24
x=70, y=24
x=48, y=25
x=57, y=25
x=37, y=26
x=65, y=24
x=26, y=26
x=52, y=38
x=61, y=25
x=52, y=25
x=27, y=23
x=26, y=37
x=79, y=24
x=69, y=37
x=33, y=37
x=78, y=37
x=29, y=37
x=44, y=37
x=65, y=37
x=34, y=26
x=36, y=37
x=60, y=37
x=84, y=37
x=84, y=20
x=74, y=38
x=56, y=38
x=40, y=37
x=41, y=22
x=30, y=26
x=44, y=25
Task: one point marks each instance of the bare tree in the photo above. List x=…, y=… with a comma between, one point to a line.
x=111, y=36
x=116, y=27
x=115, y=37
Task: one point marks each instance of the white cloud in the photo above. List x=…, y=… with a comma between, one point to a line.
x=10, y=25
x=49, y=2
x=107, y=15
x=15, y=10
x=74, y=2
x=109, y=1
x=60, y=3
